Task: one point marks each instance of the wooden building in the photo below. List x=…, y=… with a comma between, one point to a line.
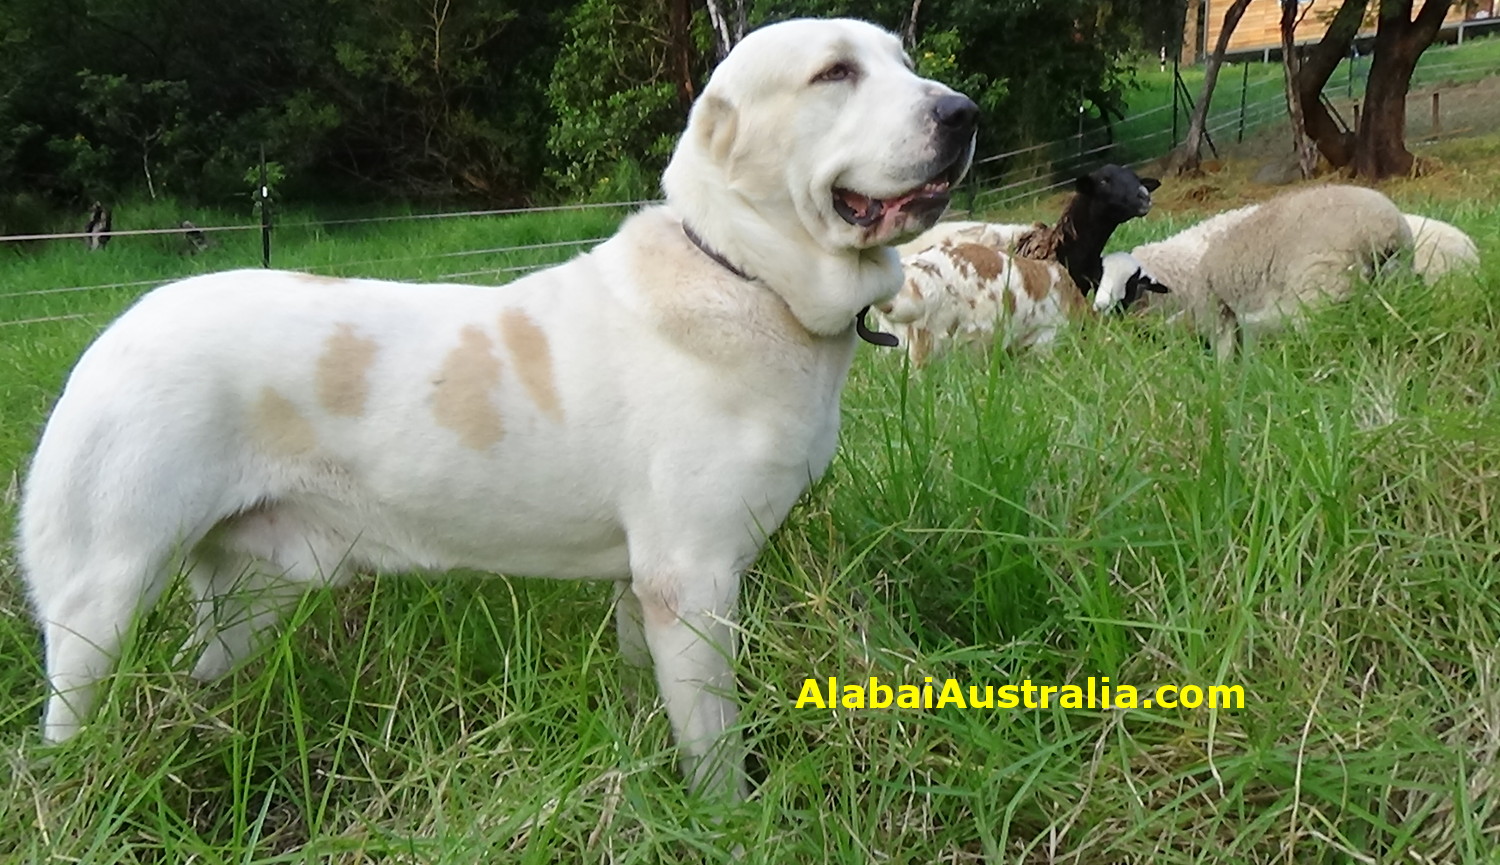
x=1259, y=32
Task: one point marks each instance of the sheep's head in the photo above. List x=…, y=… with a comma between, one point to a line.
x=1117, y=193
x=1125, y=281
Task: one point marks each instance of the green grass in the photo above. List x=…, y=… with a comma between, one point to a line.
x=1316, y=523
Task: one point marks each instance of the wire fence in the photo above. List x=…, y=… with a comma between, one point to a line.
x=1240, y=108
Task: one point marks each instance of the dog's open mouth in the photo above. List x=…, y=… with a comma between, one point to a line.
x=865, y=211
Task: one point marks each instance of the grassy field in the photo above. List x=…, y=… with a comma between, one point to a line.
x=1316, y=523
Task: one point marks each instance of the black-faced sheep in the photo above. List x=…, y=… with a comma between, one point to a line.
x=1103, y=200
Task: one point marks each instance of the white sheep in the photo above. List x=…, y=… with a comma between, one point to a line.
x=1260, y=267
x=1175, y=263
x=1440, y=248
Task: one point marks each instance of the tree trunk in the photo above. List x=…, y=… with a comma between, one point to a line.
x=909, y=31
x=1189, y=158
x=1307, y=154
x=1380, y=149
x=679, y=28
x=1315, y=68
x=727, y=18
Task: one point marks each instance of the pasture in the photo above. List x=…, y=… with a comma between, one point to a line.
x=1317, y=523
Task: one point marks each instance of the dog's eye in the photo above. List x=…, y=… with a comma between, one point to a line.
x=839, y=71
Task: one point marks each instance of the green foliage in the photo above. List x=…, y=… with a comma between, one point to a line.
x=612, y=95
x=502, y=100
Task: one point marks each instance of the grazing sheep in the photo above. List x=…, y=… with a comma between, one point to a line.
x=197, y=240
x=1258, y=268
x=1125, y=282
x=1440, y=248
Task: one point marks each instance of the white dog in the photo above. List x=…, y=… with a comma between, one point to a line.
x=645, y=413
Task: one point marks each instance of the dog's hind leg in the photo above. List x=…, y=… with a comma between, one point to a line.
x=236, y=599
x=248, y=575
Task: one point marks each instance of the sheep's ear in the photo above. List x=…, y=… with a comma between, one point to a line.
x=1151, y=183
x=1084, y=184
x=1150, y=284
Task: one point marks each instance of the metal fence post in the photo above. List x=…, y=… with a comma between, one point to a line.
x=1080, y=127
x=1175, y=78
x=1244, y=88
x=265, y=212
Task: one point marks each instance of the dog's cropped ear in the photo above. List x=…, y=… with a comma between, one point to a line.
x=1151, y=183
x=716, y=123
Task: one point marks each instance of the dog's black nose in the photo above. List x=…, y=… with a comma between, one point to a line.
x=956, y=112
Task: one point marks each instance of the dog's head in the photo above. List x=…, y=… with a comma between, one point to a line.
x=824, y=123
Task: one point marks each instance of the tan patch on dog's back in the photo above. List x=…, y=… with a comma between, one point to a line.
x=462, y=399
x=981, y=261
x=532, y=355
x=343, y=370
x=279, y=427
x=317, y=278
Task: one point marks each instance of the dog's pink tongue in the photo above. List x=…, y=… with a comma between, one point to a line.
x=893, y=210
x=860, y=204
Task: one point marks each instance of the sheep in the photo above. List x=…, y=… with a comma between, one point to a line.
x=1258, y=268
x=967, y=292
x=965, y=280
x=1174, y=262
x=1102, y=200
x=1001, y=237
x=1440, y=248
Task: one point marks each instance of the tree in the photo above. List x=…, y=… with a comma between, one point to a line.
x=1307, y=153
x=728, y=20
x=1188, y=157
x=615, y=93
x=1314, y=68
x=1380, y=149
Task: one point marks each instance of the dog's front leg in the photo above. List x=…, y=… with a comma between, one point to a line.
x=689, y=617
